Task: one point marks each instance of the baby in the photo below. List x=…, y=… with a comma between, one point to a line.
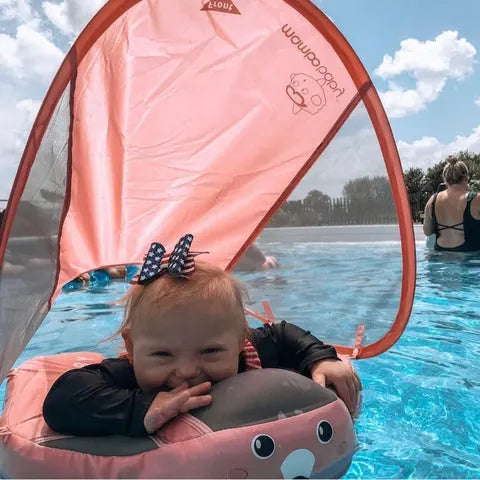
x=181, y=335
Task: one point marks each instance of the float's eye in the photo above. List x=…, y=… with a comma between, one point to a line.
x=263, y=446
x=324, y=431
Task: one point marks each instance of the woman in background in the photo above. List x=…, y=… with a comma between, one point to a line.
x=453, y=214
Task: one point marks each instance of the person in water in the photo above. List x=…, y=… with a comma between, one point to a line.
x=106, y=274
x=453, y=215
x=254, y=259
x=183, y=331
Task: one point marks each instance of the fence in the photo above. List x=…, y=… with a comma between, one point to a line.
x=345, y=211
x=336, y=211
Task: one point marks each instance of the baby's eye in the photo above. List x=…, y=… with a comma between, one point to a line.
x=161, y=353
x=208, y=351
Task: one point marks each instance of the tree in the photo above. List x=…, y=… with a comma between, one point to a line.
x=280, y=219
x=472, y=161
x=293, y=207
x=381, y=190
x=414, y=182
x=433, y=178
x=289, y=215
x=358, y=189
x=369, y=198
x=316, y=206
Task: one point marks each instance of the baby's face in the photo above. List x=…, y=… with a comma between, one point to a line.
x=185, y=346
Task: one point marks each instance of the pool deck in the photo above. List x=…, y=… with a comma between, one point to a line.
x=346, y=233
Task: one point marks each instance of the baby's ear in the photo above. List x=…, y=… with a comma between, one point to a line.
x=127, y=338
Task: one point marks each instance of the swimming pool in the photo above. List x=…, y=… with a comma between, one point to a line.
x=420, y=411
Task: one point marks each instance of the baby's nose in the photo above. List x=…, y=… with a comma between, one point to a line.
x=187, y=370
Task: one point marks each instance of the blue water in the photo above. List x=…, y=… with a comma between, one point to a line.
x=421, y=407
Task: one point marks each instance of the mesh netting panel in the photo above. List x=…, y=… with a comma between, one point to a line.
x=30, y=263
x=338, y=244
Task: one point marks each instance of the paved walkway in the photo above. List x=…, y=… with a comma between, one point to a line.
x=347, y=233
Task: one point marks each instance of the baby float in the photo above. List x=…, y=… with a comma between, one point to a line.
x=262, y=423
x=188, y=116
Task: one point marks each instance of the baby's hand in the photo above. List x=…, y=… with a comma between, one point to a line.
x=181, y=399
x=342, y=377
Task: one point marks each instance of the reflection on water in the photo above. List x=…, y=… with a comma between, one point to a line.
x=450, y=271
x=420, y=412
x=331, y=289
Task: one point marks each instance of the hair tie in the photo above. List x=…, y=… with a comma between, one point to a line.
x=157, y=263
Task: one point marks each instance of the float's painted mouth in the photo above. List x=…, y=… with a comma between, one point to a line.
x=298, y=464
x=335, y=470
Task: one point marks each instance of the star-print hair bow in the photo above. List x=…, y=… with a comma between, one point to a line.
x=179, y=263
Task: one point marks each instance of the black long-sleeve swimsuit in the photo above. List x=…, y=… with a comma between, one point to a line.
x=104, y=398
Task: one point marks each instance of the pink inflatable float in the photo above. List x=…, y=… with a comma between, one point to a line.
x=265, y=423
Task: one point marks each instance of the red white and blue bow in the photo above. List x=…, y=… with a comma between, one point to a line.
x=179, y=263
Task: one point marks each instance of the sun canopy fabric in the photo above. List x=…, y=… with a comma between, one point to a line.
x=173, y=117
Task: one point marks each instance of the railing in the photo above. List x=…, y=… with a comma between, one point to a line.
x=335, y=211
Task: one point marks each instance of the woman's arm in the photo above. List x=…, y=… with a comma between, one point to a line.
x=428, y=223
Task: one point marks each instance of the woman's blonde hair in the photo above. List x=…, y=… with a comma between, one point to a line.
x=455, y=171
x=207, y=285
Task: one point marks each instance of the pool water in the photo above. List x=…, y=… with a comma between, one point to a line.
x=421, y=407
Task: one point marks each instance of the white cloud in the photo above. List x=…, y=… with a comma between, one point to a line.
x=16, y=119
x=19, y=10
x=427, y=151
x=350, y=155
x=355, y=152
x=28, y=110
x=70, y=16
x=30, y=55
x=431, y=63
x=477, y=101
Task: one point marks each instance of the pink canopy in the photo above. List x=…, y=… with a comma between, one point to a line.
x=169, y=117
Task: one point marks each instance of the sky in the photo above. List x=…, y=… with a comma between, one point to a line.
x=421, y=55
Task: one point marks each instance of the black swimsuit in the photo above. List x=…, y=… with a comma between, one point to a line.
x=469, y=226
